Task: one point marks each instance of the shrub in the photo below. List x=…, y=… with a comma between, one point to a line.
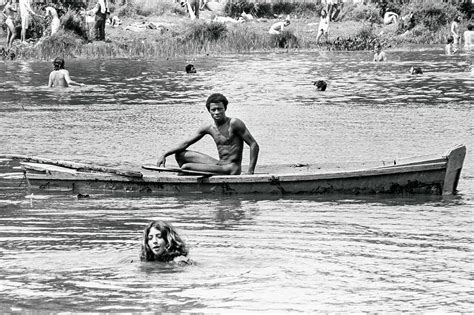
x=74, y=22
x=205, y=32
x=63, y=43
x=283, y=7
x=264, y=9
x=235, y=8
x=361, y=12
x=308, y=9
x=285, y=39
x=433, y=15
x=364, y=39
x=154, y=7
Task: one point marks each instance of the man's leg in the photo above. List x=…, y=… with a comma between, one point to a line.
x=196, y=8
x=189, y=156
x=197, y=161
x=102, y=29
x=24, y=27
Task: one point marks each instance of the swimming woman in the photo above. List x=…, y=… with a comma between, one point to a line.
x=161, y=242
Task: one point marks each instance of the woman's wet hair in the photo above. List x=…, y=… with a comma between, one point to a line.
x=58, y=63
x=320, y=85
x=216, y=98
x=174, y=247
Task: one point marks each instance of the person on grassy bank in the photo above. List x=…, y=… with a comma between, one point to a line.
x=9, y=13
x=229, y=135
x=101, y=11
x=25, y=11
x=55, y=23
x=59, y=77
x=277, y=28
x=323, y=27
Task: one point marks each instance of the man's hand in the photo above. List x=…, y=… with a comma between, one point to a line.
x=161, y=161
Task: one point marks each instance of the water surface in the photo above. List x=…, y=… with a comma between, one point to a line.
x=269, y=254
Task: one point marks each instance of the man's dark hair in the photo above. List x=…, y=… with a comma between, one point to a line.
x=216, y=98
x=189, y=68
x=321, y=85
x=58, y=63
x=469, y=27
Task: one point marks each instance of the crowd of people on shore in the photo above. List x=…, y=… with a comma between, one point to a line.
x=95, y=19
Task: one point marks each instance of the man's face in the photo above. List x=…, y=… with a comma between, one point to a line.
x=217, y=111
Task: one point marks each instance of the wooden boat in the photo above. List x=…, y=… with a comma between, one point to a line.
x=419, y=175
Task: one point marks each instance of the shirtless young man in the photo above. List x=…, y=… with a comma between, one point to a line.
x=59, y=77
x=379, y=55
x=229, y=134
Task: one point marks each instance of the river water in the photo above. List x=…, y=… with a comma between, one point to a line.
x=269, y=254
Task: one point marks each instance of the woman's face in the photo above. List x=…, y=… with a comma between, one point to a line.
x=156, y=242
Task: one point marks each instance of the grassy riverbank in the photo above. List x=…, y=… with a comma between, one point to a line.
x=151, y=32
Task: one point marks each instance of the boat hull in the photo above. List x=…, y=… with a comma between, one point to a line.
x=433, y=176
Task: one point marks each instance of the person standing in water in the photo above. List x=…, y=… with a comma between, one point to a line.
x=455, y=33
x=59, y=77
x=9, y=13
x=379, y=54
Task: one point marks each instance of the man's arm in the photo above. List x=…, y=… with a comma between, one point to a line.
x=29, y=9
x=249, y=139
x=69, y=80
x=183, y=145
x=50, y=83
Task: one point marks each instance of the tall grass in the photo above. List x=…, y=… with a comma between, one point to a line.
x=149, y=8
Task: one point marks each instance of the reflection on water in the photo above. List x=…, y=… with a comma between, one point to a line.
x=298, y=254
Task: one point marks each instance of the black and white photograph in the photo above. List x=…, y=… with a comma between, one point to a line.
x=236, y=156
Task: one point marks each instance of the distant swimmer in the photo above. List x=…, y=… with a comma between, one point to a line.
x=379, y=54
x=320, y=85
x=416, y=70
x=190, y=68
x=161, y=242
x=278, y=27
x=59, y=77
